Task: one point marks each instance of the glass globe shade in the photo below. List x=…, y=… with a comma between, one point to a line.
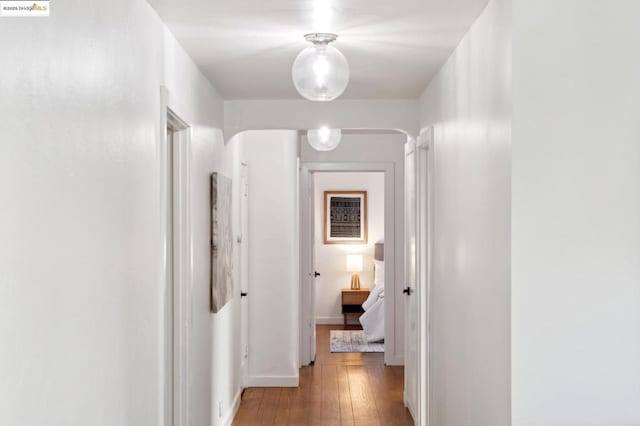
x=320, y=72
x=324, y=139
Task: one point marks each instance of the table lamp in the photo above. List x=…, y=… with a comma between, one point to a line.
x=354, y=264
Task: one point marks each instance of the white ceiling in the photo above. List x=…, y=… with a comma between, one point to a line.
x=246, y=47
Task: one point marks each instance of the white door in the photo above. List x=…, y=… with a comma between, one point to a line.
x=411, y=289
x=424, y=198
x=244, y=271
x=313, y=274
x=307, y=271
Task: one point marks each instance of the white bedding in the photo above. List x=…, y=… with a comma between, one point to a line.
x=373, y=318
x=376, y=293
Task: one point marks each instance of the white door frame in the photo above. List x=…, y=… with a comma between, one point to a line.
x=424, y=205
x=176, y=265
x=306, y=311
x=412, y=369
x=243, y=240
x=394, y=274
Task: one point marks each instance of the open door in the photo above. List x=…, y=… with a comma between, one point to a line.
x=244, y=271
x=411, y=291
x=424, y=203
x=313, y=274
x=307, y=271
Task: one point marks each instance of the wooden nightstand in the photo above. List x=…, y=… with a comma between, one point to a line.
x=352, y=301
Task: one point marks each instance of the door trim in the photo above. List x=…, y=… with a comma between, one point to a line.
x=394, y=269
x=177, y=277
x=244, y=269
x=411, y=233
x=306, y=311
x=424, y=226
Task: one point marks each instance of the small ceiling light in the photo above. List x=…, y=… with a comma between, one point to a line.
x=320, y=72
x=324, y=139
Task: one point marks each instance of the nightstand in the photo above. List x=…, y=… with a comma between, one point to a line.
x=352, y=301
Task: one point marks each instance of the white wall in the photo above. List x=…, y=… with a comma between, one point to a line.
x=301, y=114
x=377, y=147
x=225, y=332
x=272, y=156
x=576, y=213
x=330, y=259
x=81, y=254
x=469, y=105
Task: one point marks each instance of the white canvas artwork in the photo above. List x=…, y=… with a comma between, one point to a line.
x=221, y=242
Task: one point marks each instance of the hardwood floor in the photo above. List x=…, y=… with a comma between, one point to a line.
x=338, y=390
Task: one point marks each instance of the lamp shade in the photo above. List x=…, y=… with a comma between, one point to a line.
x=354, y=263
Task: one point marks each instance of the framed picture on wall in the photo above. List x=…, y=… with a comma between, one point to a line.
x=345, y=217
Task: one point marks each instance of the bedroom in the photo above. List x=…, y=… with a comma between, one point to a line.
x=354, y=316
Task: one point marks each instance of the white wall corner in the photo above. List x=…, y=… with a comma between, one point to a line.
x=227, y=420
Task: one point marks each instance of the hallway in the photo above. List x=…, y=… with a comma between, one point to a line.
x=180, y=208
x=339, y=389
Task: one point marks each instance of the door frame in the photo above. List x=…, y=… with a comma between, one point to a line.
x=176, y=275
x=411, y=258
x=394, y=273
x=244, y=269
x=425, y=166
x=306, y=311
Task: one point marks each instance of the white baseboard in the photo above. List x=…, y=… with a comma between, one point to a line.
x=329, y=320
x=411, y=410
x=273, y=381
x=231, y=414
x=336, y=320
x=393, y=359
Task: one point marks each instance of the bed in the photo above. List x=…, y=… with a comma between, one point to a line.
x=373, y=318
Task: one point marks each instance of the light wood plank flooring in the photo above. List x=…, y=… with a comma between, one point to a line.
x=338, y=390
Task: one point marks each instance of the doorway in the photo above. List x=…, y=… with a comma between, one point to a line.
x=354, y=317
x=393, y=273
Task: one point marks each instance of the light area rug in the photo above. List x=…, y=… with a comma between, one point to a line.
x=353, y=341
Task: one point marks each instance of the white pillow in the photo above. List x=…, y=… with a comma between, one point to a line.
x=378, y=277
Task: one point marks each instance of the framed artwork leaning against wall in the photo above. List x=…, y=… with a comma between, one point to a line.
x=221, y=243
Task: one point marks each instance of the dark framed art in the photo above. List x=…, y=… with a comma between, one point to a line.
x=345, y=217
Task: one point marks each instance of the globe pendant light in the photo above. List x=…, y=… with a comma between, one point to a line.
x=324, y=139
x=320, y=72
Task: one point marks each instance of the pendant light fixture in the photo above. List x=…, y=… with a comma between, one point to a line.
x=324, y=139
x=320, y=72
